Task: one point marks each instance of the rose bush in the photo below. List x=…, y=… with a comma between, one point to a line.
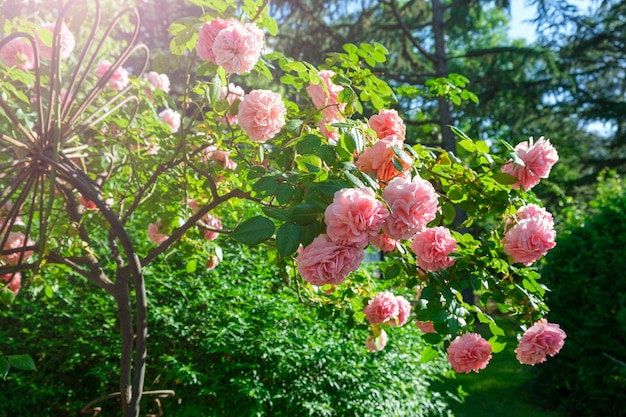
x=326, y=182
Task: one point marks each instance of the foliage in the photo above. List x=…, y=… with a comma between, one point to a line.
x=588, y=378
x=231, y=341
x=107, y=185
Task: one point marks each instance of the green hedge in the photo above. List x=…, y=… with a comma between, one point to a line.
x=231, y=342
x=586, y=273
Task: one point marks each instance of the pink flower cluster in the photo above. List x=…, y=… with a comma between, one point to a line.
x=209, y=221
x=325, y=96
x=529, y=235
x=160, y=81
x=379, y=160
x=119, y=79
x=18, y=53
x=171, y=118
x=388, y=123
x=413, y=205
x=212, y=154
x=538, y=159
x=469, y=352
x=66, y=42
x=231, y=93
x=262, y=114
x=234, y=46
x=14, y=281
x=154, y=234
x=541, y=339
x=432, y=247
x=387, y=308
x=377, y=343
x=16, y=241
x=327, y=262
x=354, y=217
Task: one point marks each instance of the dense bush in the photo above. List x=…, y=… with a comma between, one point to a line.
x=586, y=274
x=233, y=341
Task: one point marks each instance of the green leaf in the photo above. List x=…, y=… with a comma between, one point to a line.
x=495, y=330
x=288, y=238
x=7, y=296
x=305, y=213
x=47, y=290
x=468, y=145
x=504, y=178
x=253, y=231
x=284, y=192
x=22, y=362
x=449, y=211
x=496, y=346
x=432, y=338
x=392, y=271
x=4, y=367
x=428, y=354
x=191, y=266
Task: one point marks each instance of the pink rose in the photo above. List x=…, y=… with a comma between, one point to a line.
x=378, y=160
x=212, y=154
x=469, y=352
x=541, y=339
x=387, y=123
x=212, y=262
x=16, y=240
x=119, y=78
x=530, y=235
x=382, y=308
x=404, y=311
x=262, y=114
x=413, y=205
x=18, y=53
x=326, y=262
x=237, y=47
x=212, y=222
x=154, y=234
x=325, y=95
x=432, y=247
x=171, y=118
x=329, y=132
x=14, y=281
x=354, y=217
x=66, y=42
x=160, y=81
x=383, y=242
x=206, y=37
x=376, y=344
x=231, y=93
x=538, y=158
x=426, y=326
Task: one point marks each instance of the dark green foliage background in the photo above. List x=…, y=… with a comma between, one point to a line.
x=585, y=272
x=231, y=342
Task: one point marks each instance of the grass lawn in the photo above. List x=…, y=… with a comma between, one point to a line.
x=502, y=389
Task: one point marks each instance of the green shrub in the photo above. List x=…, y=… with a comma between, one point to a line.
x=231, y=342
x=586, y=274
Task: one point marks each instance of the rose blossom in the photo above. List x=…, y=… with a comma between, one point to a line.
x=119, y=78
x=160, y=81
x=212, y=262
x=262, y=114
x=326, y=262
x=212, y=154
x=538, y=158
x=530, y=235
x=382, y=308
x=469, y=352
x=325, y=95
x=66, y=42
x=425, y=326
x=237, y=47
x=16, y=240
x=18, y=53
x=329, y=132
x=171, y=118
x=383, y=242
x=432, y=247
x=378, y=160
x=231, y=93
x=154, y=235
x=387, y=123
x=206, y=37
x=15, y=283
x=212, y=222
x=413, y=205
x=354, y=217
x=404, y=310
x=541, y=339
x=376, y=344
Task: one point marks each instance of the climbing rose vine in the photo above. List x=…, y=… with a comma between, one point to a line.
x=320, y=177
